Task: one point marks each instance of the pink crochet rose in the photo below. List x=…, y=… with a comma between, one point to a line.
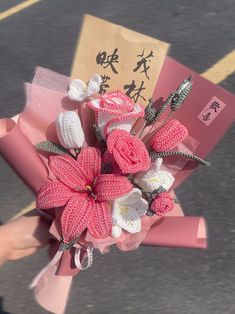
x=115, y=110
x=83, y=192
x=162, y=204
x=128, y=151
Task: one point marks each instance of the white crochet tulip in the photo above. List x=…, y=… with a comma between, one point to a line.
x=69, y=130
x=127, y=211
x=79, y=91
x=154, y=178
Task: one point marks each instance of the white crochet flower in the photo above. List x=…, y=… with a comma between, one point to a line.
x=115, y=110
x=79, y=91
x=69, y=130
x=154, y=178
x=127, y=211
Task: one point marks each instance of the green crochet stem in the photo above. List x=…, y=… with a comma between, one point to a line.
x=155, y=155
x=98, y=133
x=102, y=143
x=163, y=108
x=67, y=246
x=158, y=114
x=151, y=116
x=166, y=119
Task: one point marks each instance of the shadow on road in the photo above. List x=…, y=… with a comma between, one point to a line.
x=1, y=307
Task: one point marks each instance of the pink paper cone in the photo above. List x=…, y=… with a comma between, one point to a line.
x=21, y=155
x=52, y=291
x=188, y=232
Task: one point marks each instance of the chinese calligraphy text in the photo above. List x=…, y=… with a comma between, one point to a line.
x=211, y=111
x=106, y=60
x=143, y=64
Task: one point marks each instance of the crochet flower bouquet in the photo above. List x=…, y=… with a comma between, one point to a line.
x=103, y=165
x=103, y=190
x=99, y=173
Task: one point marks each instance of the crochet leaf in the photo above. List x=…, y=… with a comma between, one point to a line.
x=155, y=155
x=51, y=147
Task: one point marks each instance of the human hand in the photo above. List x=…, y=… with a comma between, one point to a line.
x=22, y=236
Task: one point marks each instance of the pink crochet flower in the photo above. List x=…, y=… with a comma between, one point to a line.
x=84, y=192
x=169, y=136
x=162, y=204
x=115, y=110
x=128, y=151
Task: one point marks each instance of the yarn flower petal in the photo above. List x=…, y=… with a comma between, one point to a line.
x=110, y=186
x=132, y=198
x=90, y=161
x=141, y=207
x=69, y=130
x=129, y=152
x=75, y=217
x=54, y=194
x=116, y=231
x=162, y=204
x=126, y=218
x=93, y=86
x=77, y=90
x=68, y=171
x=100, y=224
x=127, y=211
x=115, y=110
x=169, y=136
x=154, y=178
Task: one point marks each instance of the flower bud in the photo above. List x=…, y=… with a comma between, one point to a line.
x=169, y=136
x=162, y=204
x=69, y=130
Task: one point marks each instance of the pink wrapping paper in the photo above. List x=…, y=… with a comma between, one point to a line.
x=52, y=291
x=49, y=90
x=19, y=152
x=174, y=229
x=203, y=92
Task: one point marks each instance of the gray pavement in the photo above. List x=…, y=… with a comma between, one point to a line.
x=150, y=280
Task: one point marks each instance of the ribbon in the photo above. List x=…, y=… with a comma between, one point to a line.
x=88, y=256
x=79, y=262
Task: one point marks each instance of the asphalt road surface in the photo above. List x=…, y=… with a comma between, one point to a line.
x=149, y=280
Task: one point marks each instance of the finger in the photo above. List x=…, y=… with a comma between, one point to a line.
x=3, y=256
x=27, y=232
x=18, y=254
